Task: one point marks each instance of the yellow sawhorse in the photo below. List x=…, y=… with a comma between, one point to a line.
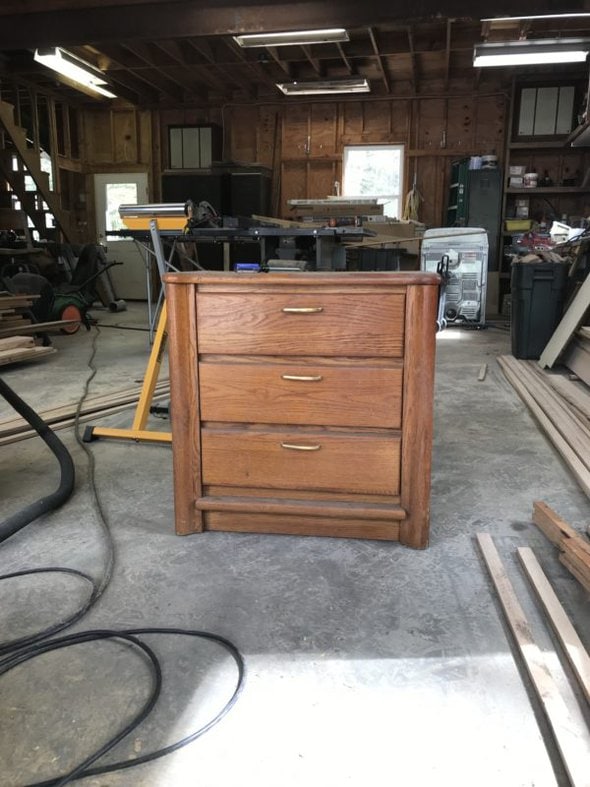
x=138, y=431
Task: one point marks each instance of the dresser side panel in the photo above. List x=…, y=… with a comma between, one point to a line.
x=417, y=418
x=184, y=406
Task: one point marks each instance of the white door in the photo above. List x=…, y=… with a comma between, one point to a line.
x=110, y=191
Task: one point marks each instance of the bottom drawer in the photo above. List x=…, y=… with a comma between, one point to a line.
x=347, y=462
x=286, y=524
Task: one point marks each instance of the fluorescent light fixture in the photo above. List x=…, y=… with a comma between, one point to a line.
x=524, y=53
x=536, y=16
x=293, y=38
x=72, y=67
x=328, y=86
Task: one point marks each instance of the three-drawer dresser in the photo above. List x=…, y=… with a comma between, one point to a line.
x=302, y=403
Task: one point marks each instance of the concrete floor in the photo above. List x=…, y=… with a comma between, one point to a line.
x=368, y=663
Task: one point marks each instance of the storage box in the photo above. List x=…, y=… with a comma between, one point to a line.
x=537, y=302
x=518, y=171
x=516, y=182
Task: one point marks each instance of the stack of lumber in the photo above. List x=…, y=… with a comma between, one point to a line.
x=16, y=319
x=14, y=429
x=574, y=548
x=14, y=312
x=562, y=408
x=17, y=349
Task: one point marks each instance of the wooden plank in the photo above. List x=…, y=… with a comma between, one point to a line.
x=20, y=355
x=553, y=526
x=577, y=359
x=574, y=570
x=568, y=636
x=576, y=465
x=576, y=432
x=26, y=435
x=569, y=324
x=10, y=342
x=573, y=740
x=483, y=370
x=65, y=412
x=38, y=327
x=575, y=392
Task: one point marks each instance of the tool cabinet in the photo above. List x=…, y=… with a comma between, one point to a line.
x=301, y=403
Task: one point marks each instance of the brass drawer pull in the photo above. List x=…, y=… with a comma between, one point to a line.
x=303, y=378
x=302, y=309
x=301, y=447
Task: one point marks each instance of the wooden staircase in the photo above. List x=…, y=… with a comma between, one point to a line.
x=33, y=202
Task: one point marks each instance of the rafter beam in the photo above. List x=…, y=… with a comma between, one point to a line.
x=315, y=64
x=448, y=54
x=119, y=56
x=345, y=60
x=257, y=68
x=285, y=66
x=146, y=53
x=413, y=60
x=377, y=53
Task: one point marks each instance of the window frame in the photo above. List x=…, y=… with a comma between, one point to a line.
x=382, y=196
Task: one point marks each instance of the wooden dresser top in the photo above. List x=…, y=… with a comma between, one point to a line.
x=398, y=279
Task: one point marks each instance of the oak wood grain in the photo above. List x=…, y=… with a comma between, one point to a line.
x=352, y=462
x=317, y=395
x=301, y=526
x=417, y=416
x=255, y=323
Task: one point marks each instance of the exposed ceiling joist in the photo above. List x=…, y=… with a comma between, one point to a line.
x=380, y=62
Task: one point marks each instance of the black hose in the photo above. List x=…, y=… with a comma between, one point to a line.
x=17, y=521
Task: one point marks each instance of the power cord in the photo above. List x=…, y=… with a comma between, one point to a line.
x=22, y=650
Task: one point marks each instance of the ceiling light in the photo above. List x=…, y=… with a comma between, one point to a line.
x=293, y=38
x=328, y=86
x=524, y=53
x=72, y=67
x=536, y=16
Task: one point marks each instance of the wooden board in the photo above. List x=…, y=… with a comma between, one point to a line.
x=38, y=327
x=569, y=324
x=577, y=359
x=10, y=342
x=574, y=392
x=22, y=354
x=570, y=641
x=577, y=466
x=573, y=740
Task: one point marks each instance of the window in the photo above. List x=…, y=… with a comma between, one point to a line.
x=375, y=171
x=190, y=147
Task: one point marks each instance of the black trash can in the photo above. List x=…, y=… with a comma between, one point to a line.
x=537, y=290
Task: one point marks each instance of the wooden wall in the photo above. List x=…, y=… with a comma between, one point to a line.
x=304, y=141
x=118, y=140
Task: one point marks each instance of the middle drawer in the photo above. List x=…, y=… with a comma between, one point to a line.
x=300, y=394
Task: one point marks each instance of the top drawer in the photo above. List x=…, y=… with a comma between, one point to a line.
x=330, y=324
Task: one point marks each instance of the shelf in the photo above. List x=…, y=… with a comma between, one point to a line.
x=559, y=145
x=550, y=190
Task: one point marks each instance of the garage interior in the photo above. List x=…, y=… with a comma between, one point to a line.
x=294, y=659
